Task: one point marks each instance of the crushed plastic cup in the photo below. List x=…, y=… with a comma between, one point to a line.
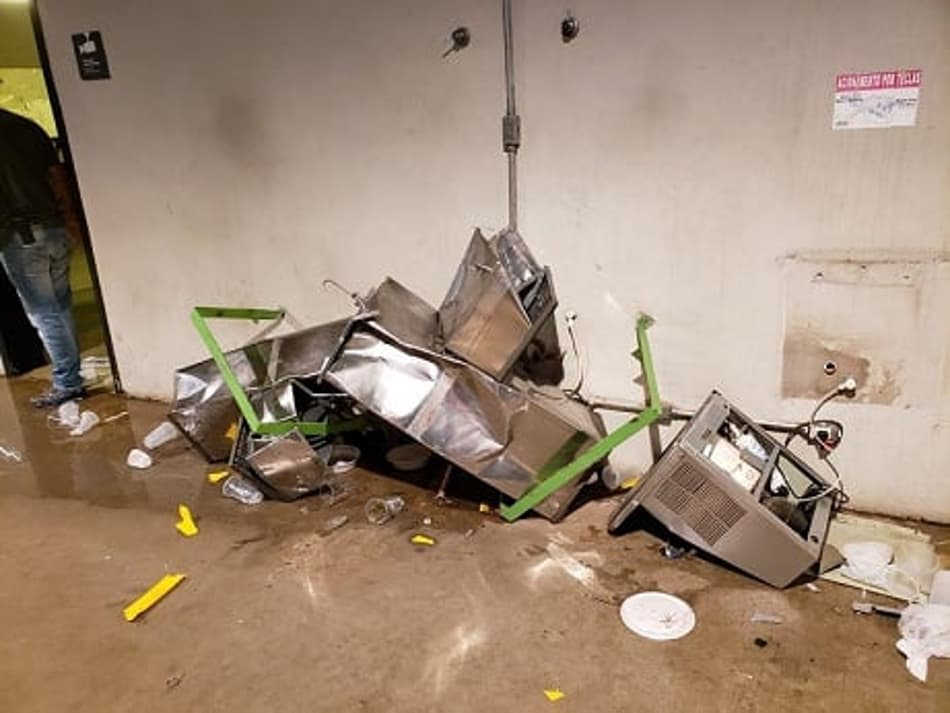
x=66, y=414
x=138, y=459
x=164, y=433
x=241, y=489
x=381, y=510
x=87, y=421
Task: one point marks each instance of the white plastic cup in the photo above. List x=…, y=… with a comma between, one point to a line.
x=87, y=421
x=139, y=459
x=164, y=433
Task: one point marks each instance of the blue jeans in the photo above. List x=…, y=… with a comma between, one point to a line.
x=40, y=274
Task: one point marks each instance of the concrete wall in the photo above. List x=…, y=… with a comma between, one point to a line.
x=678, y=159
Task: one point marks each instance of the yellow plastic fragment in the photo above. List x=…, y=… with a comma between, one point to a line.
x=630, y=483
x=232, y=432
x=216, y=476
x=186, y=523
x=554, y=694
x=152, y=597
x=482, y=507
x=419, y=539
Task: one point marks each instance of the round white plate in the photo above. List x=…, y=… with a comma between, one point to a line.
x=657, y=616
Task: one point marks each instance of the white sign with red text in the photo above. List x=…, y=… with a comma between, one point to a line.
x=876, y=100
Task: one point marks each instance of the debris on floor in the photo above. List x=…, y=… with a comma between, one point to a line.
x=925, y=633
x=379, y=511
x=657, y=615
x=10, y=453
x=335, y=523
x=766, y=618
x=862, y=606
x=164, y=433
x=138, y=459
x=553, y=694
x=152, y=596
x=65, y=415
x=87, y=421
x=216, y=476
x=239, y=488
x=420, y=539
x=186, y=522
x=882, y=557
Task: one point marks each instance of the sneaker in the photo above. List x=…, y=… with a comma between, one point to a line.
x=54, y=397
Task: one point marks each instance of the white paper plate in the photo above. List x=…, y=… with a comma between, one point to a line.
x=657, y=616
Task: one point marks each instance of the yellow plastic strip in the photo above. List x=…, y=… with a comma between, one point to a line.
x=631, y=482
x=152, y=597
x=420, y=539
x=186, y=523
x=554, y=694
x=216, y=476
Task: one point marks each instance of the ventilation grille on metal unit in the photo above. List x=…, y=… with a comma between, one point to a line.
x=703, y=506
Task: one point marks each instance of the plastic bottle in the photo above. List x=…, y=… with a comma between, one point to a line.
x=241, y=489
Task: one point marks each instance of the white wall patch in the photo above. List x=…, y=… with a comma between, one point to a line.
x=876, y=100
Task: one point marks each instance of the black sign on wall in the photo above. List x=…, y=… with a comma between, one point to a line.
x=91, y=55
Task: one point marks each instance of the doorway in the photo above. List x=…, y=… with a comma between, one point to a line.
x=26, y=88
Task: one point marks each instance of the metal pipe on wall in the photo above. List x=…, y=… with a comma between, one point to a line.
x=511, y=123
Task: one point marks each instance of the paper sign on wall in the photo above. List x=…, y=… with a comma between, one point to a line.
x=91, y=55
x=876, y=100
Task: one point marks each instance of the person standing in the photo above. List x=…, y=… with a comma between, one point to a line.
x=35, y=247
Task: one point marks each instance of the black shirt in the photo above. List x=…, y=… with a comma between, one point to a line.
x=26, y=194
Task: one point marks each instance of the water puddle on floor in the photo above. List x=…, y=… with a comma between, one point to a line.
x=92, y=468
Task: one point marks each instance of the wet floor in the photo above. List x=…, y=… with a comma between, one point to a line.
x=276, y=614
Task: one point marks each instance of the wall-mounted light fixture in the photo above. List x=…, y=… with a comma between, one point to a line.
x=570, y=28
x=461, y=38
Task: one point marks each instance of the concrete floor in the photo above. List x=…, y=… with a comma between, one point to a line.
x=277, y=616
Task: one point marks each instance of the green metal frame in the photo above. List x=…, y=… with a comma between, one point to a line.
x=199, y=317
x=556, y=475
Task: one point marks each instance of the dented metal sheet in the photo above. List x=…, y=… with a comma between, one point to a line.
x=434, y=374
x=290, y=466
x=205, y=411
x=507, y=436
x=499, y=299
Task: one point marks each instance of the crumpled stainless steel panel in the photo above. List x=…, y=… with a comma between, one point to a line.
x=498, y=300
x=497, y=319
x=207, y=416
x=409, y=318
x=203, y=408
x=290, y=466
x=504, y=435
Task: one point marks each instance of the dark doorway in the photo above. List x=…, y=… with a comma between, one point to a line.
x=26, y=88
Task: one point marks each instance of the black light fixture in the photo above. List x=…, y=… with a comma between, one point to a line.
x=570, y=28
x=461, y=38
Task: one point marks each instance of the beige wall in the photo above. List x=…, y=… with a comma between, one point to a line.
x=677, y=159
